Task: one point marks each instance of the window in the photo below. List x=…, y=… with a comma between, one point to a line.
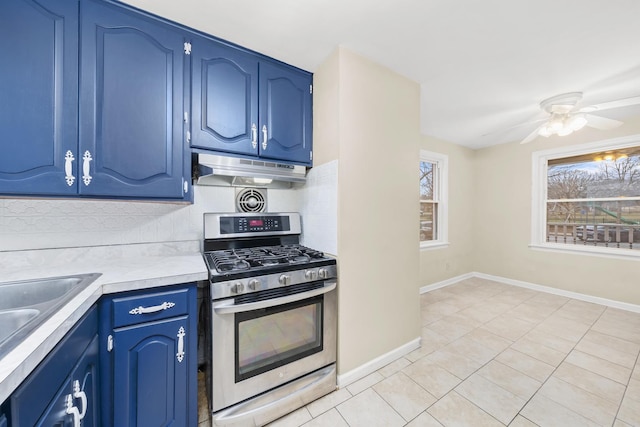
x=587, y=198
x=433, y=199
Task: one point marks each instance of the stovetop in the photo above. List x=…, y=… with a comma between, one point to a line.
x=247, y=253
x=246, y=262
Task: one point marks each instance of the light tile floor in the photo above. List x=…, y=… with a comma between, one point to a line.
x=495, y=355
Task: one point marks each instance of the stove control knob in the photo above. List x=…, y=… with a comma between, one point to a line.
x=311, y=274
x=237, y=288
x=254, y=284
x=323, y=273
x=284, y=279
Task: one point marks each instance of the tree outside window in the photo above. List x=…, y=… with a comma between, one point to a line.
x=432, y=198
x=593, y=198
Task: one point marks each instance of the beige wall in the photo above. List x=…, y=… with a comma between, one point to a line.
x=439, y=264
x=366, y=117
x=502, y=224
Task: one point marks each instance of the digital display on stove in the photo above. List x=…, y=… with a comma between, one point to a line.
x=251, y=224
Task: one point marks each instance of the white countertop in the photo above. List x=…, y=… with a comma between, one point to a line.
x=123, y=268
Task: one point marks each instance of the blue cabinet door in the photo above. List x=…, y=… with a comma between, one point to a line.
x=150, y=376
x=223, y=98
x=285, y=113
x=41, y=400
x=38, y=96
x=81, y=391
x=131, y=104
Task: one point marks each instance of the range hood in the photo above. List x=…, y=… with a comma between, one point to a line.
x=232, y=171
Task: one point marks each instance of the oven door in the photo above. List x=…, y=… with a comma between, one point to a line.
x=266, y=339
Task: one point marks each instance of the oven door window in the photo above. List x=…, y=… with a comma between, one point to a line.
x=275, y=336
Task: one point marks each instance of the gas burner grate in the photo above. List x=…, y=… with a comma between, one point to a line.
x=228, y=260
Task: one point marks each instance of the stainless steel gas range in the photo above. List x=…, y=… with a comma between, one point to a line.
x=272, y=318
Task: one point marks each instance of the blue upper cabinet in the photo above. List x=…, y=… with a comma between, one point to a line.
x=107, y=125
x=224, y=90
x=38, y=97
x=245, y=104
x=131, y=104
x=285, y=113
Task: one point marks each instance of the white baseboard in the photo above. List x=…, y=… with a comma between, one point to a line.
x=575, y=295
x=446, y=282
x=377, y=363
x=548, y=289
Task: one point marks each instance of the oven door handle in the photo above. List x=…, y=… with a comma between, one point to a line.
x=239, y=308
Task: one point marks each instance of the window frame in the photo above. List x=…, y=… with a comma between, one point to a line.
x=441, y=198
x=539, y=164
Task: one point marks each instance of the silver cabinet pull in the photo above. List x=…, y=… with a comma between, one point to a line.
x=254, y=135
x=68, y=168
x=72, y=410
x=264, y=137
x=86, y=168
x=144, y=310
x=79, y=394
x=180, y=353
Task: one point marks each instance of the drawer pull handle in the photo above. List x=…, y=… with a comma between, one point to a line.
x=264, y=137
x=154, y=309
x=86, y=168
x=254, y=135
x=72, y=410
x=79, y=394
x=68, y=168
x=180, y=353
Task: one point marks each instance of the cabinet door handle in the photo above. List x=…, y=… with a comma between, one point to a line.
x=153, y=309
x=264, y=137
x=72, y=410
x=79, y=394
x=68, y=168
x=86, y=168
x=254, y=135
x=180, y=353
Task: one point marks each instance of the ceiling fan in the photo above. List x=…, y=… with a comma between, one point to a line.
x=564, y=118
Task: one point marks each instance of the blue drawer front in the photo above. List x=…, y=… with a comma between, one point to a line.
x=134, y=309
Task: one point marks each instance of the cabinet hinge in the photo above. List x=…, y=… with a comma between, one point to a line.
x=187, y=48
x=110, y=343
x=311, y=89
x=310, y=155
x=185, y=186
x=188, y=136
x=186, y=117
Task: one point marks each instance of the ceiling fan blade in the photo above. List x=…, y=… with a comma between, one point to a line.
x=602, y=123
x=533, y=135
x=625, y=102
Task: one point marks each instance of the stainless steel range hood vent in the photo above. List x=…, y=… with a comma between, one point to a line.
x=231, y=171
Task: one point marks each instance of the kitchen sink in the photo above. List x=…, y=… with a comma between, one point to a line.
x=26, y=304
x=12, y=320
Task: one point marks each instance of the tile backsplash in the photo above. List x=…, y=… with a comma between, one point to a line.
x=64, y=223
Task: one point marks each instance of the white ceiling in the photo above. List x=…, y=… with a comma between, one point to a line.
x=484, y=66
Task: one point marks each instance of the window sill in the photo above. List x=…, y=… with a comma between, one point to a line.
x=626, y=254
x=433, y=245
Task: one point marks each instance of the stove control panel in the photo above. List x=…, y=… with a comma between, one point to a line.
x=253, y=224
x=235, y=287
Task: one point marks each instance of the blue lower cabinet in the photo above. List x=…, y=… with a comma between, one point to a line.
x=64, y=390
x=150, y=361
x=3, y=421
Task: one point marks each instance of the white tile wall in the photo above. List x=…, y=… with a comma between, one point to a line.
x=319, y=208
x=64, y=223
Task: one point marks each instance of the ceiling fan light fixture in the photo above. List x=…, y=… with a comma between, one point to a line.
x=545, y=131
x=556, y=124
x=565, y=131
x=577, y=122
